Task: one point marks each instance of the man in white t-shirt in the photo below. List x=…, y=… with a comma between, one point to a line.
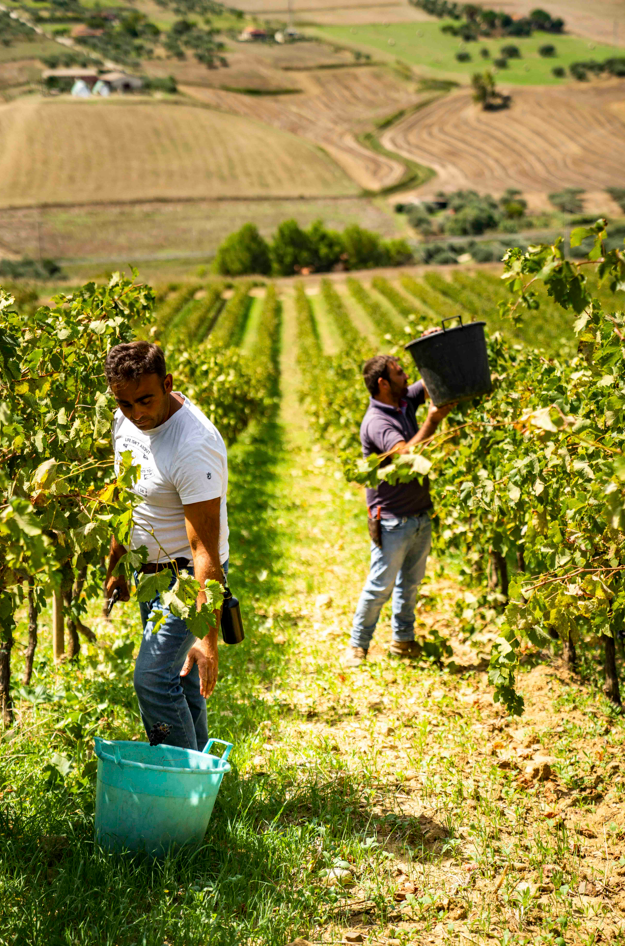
x=182, y=519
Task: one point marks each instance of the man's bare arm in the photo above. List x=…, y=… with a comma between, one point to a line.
x=202, y=522
x=115, y=553
x=427, y=429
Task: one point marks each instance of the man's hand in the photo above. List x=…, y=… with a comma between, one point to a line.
x=121, y=584
x=204, y=654
x=116, y=581
x=437, y=414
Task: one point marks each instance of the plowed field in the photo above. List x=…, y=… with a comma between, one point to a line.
x=72, y=152
x=329, y=112
x=548, y=139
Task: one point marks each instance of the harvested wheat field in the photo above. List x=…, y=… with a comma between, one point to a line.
x=547, y=139
x=70, y=152
x=333, y=107
x=253, y=68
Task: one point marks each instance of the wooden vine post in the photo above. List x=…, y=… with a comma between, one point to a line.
x=611, y=685
x=58, y=629
x=29, y=656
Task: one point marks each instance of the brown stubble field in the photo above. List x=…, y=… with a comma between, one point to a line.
x=548, y=139
x=64, y=151
x=263, y=68
x=157, y=234
x=333, y=106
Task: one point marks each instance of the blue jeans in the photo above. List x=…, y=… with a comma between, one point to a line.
x=398, y=567
x=164, y=696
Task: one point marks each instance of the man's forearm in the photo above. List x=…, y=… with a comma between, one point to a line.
x=115, y=553
x=427, y=430
x=207, y=567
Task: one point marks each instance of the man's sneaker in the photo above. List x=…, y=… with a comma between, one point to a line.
x=408, y=650
x=354, y=656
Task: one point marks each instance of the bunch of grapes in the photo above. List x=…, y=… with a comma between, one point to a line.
x=158, y=733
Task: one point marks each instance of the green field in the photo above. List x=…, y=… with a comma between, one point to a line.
x=35, y=50
x=423, y=44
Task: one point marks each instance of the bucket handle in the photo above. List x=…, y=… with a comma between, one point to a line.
x=209, y=745
x=450, y=319
x=116, y=757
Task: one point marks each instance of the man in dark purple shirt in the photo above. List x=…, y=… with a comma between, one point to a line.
x=390, y=426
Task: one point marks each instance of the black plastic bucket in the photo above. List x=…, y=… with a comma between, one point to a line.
x=453, y=362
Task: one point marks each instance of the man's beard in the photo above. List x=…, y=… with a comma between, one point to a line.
x=399, y=393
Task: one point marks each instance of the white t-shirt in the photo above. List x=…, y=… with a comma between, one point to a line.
x=182, y=461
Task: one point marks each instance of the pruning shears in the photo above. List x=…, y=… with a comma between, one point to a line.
x=111, y=601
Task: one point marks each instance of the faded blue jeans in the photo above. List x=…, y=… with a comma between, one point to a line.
x=164, y=696
x=397, y=568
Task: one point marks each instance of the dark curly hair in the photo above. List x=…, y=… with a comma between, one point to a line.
x=130, y=361
x=376, y=368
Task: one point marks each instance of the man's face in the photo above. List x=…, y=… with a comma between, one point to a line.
x=145, y=401
x=398, y=381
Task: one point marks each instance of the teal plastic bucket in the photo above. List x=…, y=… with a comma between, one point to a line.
x=150, y=799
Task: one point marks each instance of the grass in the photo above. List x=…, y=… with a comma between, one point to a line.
x=424, y=45
x=141, y=150
x=415, y=174
x=167, y=231
x=407, y=777
x=28, y=50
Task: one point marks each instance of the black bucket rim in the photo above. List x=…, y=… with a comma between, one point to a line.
x=443, y=331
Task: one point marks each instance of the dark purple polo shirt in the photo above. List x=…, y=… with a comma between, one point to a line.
x=382, y=428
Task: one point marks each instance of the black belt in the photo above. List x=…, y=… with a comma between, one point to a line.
x=151, y=568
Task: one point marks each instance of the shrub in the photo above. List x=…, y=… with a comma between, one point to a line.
x=325, y=247
x=443, y=257
x=512, y=203
x=618, y=195
x=615, y=66
x=485, y=53
x=160, y=84
x=511, y=52
x=419, y=218
x=509, y=226
x=463, y=56
x=398, y=252
x=547, y=50
x=472, y=220
x=501, y=63
x=578, y=71
x=568, y=200
x=243, y=252
x=484, y=91
x=438, y=253
x=488, y=252
x=363, y=248
x=559, y=72
x=291, y=249
x=472, y=214
x=30, y=269
x=541, y=20
x=318, y=249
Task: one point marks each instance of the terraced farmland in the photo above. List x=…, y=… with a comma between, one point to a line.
x=70, y=152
